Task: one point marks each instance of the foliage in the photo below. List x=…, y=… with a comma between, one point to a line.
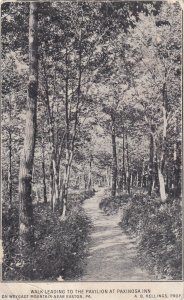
x=123, y=64
x=60, y=246
x=10, y=229
x=111, y=205
x=159, y=228
x=80, y=197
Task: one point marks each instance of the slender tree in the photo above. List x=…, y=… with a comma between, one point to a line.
x=43, y=170
x=27, y=157
x=10, y=154
x=114, y=155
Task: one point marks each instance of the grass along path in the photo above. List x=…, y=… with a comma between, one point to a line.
x=112, y=254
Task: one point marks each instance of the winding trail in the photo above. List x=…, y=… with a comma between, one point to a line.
x=112, y=254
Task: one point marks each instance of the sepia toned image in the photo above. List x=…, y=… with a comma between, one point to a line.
x=91, y=119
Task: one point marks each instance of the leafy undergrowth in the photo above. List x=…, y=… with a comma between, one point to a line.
x=110, y=205
x=60, y=246
x=159, y=228
x=80, y=197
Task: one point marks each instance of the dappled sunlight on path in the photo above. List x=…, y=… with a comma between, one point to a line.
x=112, y=253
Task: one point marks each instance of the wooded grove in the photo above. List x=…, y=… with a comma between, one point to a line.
x=91, y=100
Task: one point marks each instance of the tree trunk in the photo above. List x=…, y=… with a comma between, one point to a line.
x=128, y=171
x=70, y=145
x=43, y=172
x=10, y=168
x=161, y=185
x=51, y=181
x=107, y=177
x=177, y=163
x=89, y=176
x=163, y=148
x=123, y=172
x=131, y=180
x=175, y=179
x=34, y=185
x=10, y=154
x=137, y=179
x=150, y=173
x=114, y=157
x=151, y=160
x=142, y=174
x=54, y=181
x=26, y=233
x=67, y=166
x=66, y=183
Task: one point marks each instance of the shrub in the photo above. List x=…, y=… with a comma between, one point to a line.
x=159, y=228
x=62, y=249
x=10, y=225
x=81, y=197
x=111, y=205
x=60, y=246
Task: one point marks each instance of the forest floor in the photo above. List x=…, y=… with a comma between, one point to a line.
x=112, y=253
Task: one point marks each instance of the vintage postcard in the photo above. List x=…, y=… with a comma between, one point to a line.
x=91, y=125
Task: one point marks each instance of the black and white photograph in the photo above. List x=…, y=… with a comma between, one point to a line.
x=91, y=124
